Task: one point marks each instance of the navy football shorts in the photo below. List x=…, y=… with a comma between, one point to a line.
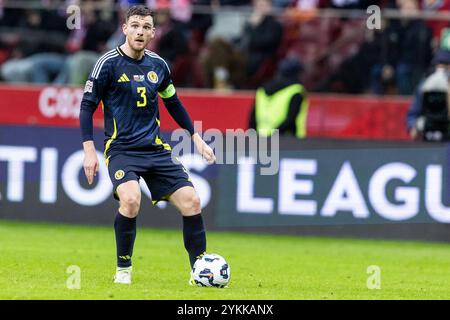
x=162, y=175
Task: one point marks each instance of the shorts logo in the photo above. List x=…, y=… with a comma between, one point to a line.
x=88, y=86
x=138, y=77
x=119, y=174
x=152, y=77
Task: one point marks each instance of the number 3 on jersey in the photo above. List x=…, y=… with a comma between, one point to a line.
x=142, y=103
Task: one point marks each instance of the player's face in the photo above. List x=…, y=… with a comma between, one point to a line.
x=139, y=31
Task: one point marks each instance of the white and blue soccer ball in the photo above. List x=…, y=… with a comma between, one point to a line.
x=211, y=270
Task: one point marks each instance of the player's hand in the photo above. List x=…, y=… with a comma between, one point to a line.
x=90, y=163
x=205, y=150
x=207, y=153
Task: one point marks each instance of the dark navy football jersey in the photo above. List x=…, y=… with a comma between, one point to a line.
x=128, y=91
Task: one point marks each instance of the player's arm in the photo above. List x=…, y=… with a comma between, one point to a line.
x=181, y=116
x=90, y=162
x=93, y=93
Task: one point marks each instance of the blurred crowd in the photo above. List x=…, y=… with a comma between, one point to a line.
x=229, y=44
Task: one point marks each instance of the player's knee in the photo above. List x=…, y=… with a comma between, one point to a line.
x=192, y=205
x=196, y=206
x=130, y=203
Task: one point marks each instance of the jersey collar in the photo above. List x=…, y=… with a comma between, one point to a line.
x=120, y=51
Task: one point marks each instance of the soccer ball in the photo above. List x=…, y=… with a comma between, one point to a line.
x=211, y=270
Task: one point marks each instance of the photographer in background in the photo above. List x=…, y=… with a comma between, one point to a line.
x=428, y=116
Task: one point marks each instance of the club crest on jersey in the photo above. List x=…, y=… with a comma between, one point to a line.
x=152, y=77
x=138, y=78
x=88, y=86
x=119, y=174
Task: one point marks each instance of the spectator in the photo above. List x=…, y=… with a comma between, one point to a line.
x=281, y=103
x=200, y=23
x=428, y=118
x=85, y=45
x=224, y=66
x=38, y=56
x=71, y=67
x=351, y=75
x=405, y=52
x=261, y=36
x=223, y=63
x=179, y=10
x=170, y=41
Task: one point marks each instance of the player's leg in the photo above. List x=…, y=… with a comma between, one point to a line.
x=169, y=180
x=126, y=189
x=186, y=200
x=129, y=194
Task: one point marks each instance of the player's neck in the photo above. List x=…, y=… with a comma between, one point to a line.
x=137, y=55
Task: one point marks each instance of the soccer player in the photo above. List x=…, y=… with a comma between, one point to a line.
x=128, y=80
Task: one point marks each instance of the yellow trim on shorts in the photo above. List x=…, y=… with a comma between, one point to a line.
x=113, y=137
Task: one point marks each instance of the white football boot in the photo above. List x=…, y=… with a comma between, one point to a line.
x=123, y=275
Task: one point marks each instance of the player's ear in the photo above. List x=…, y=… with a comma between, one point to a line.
x=152, y=33
x=124, y=29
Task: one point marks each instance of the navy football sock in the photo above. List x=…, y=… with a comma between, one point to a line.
x=125, y=235
x=194, y=236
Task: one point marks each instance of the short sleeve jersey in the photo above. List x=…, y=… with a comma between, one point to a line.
x=128, y=91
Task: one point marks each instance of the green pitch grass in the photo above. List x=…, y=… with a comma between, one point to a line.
x=35, y=258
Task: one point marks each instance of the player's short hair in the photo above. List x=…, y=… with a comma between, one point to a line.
x=138, y=10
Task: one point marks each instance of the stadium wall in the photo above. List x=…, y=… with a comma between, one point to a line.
x=330, y=116
x=324, y=187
